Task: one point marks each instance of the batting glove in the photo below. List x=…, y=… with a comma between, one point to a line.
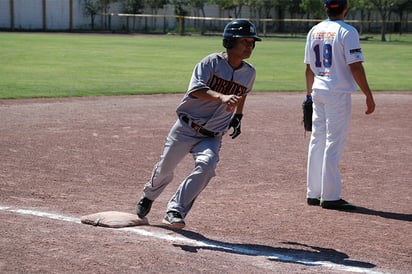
x=235, y=123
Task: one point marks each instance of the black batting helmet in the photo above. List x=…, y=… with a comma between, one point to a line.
x=239, y=28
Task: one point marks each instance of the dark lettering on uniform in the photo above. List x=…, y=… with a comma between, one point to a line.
x=226, y=87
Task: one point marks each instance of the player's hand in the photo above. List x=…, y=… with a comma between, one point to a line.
x=231, y=101
x=370, y=103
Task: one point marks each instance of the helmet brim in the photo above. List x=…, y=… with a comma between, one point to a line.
x=257, y=38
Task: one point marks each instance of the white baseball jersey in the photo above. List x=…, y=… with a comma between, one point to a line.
x=214, y=72
x=331, y=46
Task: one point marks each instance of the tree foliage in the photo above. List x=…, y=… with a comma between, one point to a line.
x=278, y=9
x=133, y=6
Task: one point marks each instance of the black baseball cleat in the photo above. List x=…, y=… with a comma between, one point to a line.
x=313, y=201
x=143, y=207
x=338, y=205
x=174, y=219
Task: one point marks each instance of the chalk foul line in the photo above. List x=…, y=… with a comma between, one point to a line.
x=232, y=248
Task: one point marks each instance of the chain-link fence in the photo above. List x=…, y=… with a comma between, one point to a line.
x=209, y=26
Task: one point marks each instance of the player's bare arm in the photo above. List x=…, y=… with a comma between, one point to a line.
x=359, y=75
x=240, y=104
x=211, y=95
x=309, y=79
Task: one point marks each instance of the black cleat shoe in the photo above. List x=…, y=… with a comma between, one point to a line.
x=338, y=205
x=313, y=201
x=174, y=219
x=143, y=207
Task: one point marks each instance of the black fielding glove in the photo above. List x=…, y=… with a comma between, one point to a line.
x=307, y=113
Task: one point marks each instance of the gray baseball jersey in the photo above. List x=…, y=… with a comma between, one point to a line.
x=215, y=73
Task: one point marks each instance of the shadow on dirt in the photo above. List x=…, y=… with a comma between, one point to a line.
x=383, y=214
x=297, y=254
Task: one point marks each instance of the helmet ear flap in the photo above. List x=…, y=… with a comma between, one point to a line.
x=228, y=43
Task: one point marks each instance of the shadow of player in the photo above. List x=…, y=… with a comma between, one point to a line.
x=298, y=253
x=383, y=214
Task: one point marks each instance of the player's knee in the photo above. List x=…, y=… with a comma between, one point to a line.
x=206, y=165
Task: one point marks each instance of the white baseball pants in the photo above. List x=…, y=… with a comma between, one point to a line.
x=331, y=119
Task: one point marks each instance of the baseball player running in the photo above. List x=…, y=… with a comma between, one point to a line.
x=212, y=105
x=334, y=69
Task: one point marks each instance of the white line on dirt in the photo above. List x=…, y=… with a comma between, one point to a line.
x=203, y=243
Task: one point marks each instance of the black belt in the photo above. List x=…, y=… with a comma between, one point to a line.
x=198, y=128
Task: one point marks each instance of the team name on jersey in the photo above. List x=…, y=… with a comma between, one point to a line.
x=226, y=87
x=323, y=35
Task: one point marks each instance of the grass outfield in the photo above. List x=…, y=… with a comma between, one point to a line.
x=64, y=65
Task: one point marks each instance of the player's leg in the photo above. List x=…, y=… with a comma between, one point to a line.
x=206, y=156
x=338, y=113
x=178, y=145
x=316, y=148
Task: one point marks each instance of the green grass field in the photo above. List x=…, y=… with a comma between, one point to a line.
x=65, y=65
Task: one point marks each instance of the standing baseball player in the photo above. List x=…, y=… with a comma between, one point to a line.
x=212, y=105
x=334, y=69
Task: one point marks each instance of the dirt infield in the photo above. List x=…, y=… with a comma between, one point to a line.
x=62, y=159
